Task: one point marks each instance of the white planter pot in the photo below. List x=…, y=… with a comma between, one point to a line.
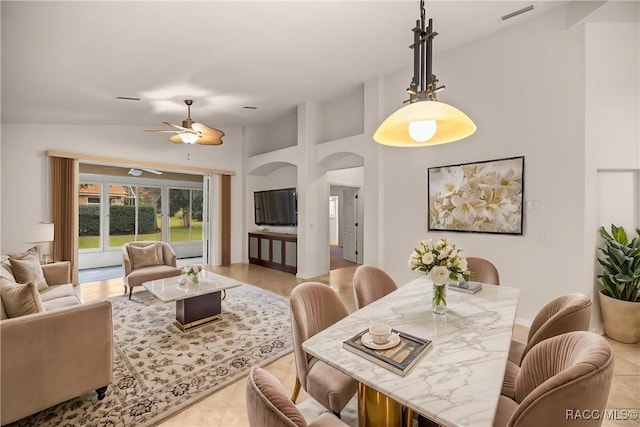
x=621, y=319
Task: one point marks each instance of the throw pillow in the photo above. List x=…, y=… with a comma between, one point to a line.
x=28, y=269
x=143, y=256
x=4, y=259
x=20, y=300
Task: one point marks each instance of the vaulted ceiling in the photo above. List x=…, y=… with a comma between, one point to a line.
x=66, y=62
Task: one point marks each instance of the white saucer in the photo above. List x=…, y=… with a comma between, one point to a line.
x=393, y=341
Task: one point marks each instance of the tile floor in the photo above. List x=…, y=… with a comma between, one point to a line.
x=226, y=408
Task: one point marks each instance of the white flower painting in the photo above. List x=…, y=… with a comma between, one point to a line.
x=483, y=197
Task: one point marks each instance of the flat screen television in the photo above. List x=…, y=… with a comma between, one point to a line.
x=276, y=207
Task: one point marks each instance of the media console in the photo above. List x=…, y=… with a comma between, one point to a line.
x=274, y=250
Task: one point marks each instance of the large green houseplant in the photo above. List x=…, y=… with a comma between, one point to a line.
x=619, y=303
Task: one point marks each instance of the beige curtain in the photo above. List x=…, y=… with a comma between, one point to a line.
x=64, y=211
x=225, y=219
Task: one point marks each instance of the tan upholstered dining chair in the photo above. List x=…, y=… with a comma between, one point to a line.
x=147, y=260
x=561, y=379
x=567, y=313
x=314, y=307
x=483, y=270
x=269, y=406
x=370, y=284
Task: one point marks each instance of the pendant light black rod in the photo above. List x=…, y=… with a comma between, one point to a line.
x=423, y=82
x=429, y=77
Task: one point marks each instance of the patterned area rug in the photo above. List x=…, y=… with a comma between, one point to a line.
x=158, y=370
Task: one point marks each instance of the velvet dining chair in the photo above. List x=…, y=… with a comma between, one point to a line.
x=269, y=406
x=565, y=376
x=567, y=313
x=483, y=270
x=314, y=307
x=370, y=284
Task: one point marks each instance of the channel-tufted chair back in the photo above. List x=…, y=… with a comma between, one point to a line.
x=560, y=377
x=370, y=284
x=483, y=270
x=314, y=307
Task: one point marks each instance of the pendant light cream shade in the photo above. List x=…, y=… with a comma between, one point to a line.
x=451, y=125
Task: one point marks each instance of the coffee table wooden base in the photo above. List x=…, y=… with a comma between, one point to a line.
x=196, y=311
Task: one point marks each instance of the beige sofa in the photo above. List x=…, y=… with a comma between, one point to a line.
x=61, y=352
x=144, y=261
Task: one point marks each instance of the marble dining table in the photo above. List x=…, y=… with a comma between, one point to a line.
x=458, y=381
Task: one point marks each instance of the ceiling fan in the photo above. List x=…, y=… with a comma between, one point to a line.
x=138, y=172
x=192, y=132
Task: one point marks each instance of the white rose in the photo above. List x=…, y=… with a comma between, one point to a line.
x=439, y=275
x=427, y=258
x=413, y=263
x=462, y=264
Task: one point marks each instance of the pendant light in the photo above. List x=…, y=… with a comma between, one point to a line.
x=424, y=120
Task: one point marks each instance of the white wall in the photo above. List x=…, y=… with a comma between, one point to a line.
x=612, y=129
x=280, y=134
x=343, y=116
x=25, y=167
x=524, y=88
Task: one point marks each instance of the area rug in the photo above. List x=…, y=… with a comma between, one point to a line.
x=159, y=370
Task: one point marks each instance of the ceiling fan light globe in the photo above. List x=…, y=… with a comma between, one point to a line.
x=188, y=137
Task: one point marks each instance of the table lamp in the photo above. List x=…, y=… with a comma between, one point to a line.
x=43, y=236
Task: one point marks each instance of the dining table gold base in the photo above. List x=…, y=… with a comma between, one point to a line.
x=376, y=409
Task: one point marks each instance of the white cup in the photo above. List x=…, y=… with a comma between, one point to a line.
x=380, y=333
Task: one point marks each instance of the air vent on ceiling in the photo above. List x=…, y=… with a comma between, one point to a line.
x=517, y=12
x=127, y=98
x=248, y=107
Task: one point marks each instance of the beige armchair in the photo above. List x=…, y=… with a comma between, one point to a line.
x=315, y=307
x=147, y=260
x=370, y=284
x=268, y=405
x=483, y=270
x=561, y=379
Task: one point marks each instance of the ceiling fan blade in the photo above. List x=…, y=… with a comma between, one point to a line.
x=161, y=131
x=176, y=126
x=209, y=140
x=206, y=130
x=153, y=171
x=175, y=139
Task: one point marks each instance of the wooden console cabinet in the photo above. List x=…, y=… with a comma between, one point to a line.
x=274, y=250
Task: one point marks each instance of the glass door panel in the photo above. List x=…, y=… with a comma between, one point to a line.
x=89, y=208
x=185, y=215
x=122, y=214
x=149, y=213
x=197, y=216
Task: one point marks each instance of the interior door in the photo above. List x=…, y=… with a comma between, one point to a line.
x=350, y=225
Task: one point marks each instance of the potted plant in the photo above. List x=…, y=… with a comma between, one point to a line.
x=619, y=300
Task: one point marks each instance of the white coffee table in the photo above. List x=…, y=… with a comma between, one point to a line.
x=196, y=303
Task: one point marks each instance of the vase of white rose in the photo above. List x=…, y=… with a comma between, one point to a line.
x=440, y=261
x=192, y=272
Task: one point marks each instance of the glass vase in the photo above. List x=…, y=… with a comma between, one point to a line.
x=439, y=300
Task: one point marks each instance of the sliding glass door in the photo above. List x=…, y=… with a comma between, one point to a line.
x=116, y=210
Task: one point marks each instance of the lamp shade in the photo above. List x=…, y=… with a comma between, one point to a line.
x=42, y=232
x=451, y=125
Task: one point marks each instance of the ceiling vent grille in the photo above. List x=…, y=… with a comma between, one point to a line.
x=517, y=12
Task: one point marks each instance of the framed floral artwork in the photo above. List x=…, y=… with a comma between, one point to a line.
x=480, y=197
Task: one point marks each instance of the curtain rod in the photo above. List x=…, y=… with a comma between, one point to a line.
x=138, y=163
